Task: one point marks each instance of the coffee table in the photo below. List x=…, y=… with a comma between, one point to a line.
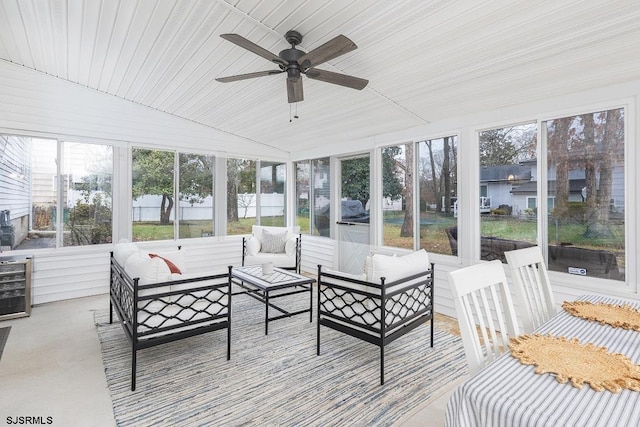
x=266, y=288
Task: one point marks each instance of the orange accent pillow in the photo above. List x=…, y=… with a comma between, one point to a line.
x=172, y=267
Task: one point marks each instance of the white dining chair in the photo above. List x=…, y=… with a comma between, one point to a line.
x=485, y=312
x=532, y=287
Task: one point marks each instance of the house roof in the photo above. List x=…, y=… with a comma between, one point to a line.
x=425, y=60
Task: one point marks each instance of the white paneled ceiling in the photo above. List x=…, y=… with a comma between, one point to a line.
x=425, y=60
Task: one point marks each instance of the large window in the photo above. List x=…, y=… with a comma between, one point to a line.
x=398, y=195
x=585, y=178
x=508, y=190
x=437, y=166
x=156, y=214
x=87, y=177
x=272, y=194
x=241, y=196
x=313, y=196
x=195, y=201
x=54, y=193
x=583, y=204
x=153, y=193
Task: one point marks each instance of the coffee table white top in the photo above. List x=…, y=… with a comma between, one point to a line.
x=280, y=278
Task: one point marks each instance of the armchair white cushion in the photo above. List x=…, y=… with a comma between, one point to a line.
x=272, y=244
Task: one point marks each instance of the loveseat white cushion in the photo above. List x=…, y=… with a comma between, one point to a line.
x=148, y=270
x=394, y=268
x=139, y=264
x=255, y=244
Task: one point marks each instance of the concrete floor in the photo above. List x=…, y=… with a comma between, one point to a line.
x=52, y=367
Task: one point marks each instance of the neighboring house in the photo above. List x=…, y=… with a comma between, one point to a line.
x=15, y=185
x=497, y=183
x=516, y=186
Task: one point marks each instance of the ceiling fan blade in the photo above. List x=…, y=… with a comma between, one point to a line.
x=294, y=90
x=248, y=76
x=252, y=47
x=335, y=47
x=337, y=78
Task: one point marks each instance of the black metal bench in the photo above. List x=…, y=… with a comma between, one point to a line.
x=159, y=313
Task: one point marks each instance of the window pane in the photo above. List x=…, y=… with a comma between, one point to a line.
x=272, y=183
x=241, y=196
x=355, y=190
x=508, y=184
x=153, y=194
x=438, y=178
x=321, y=196
x=303, y=174
x=88, y=172
x=397, y=196
x=586, y=180
x=196, y=195
x=28, y=222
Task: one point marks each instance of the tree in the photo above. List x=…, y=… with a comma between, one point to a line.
x=560, y=139
x=391, y=168
x=604, y=149
x=438, y=172
x=446, y=172
x=196, y=177
x=355, y=179
x=153, y=174
x=241, y=179
x=89, y=220
x=407, y=166
x=507, y=146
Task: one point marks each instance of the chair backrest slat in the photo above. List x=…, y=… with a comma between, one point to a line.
x=532, y=287
x=485, y=311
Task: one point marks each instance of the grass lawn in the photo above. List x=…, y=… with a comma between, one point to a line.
x=432, y=231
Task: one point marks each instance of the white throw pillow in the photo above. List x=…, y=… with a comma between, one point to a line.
x=394, y=268
x=122, y=251
x=253, y=246
x=257, y=230
x=273, y=243
x=290, y=246
x=148, y=270
x=178, y=258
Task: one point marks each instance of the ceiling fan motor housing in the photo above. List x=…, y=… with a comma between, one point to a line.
x=291, y=56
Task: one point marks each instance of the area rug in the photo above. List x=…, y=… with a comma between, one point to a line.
x=275, y=380
x=4, y=335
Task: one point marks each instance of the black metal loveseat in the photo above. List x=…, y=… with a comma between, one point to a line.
x=173, y=308
x=356, y=304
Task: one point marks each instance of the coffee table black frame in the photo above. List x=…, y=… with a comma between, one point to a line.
x=262, y=287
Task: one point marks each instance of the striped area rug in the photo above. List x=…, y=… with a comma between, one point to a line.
x=275, y=380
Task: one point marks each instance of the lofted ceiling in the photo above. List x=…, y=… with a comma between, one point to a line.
x=425, y=60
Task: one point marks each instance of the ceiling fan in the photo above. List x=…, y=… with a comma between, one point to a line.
x=296, y=62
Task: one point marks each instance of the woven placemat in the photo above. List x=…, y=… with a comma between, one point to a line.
x=571, y=361
x=622, y=316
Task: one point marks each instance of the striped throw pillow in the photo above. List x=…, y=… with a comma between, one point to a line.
x=273, y=243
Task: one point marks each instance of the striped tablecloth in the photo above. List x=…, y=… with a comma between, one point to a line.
x=507, y=393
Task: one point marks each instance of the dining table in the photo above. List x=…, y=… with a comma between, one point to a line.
x=509, y=393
